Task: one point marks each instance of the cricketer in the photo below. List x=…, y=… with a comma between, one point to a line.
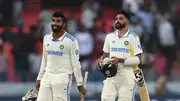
x=120, y=81
x=60, y=59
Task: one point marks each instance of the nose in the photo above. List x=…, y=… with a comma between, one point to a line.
x=55, y=22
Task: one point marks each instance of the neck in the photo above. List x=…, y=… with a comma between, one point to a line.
x=58, y=35
x=122, y=31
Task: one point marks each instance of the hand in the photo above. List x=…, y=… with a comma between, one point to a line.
x=99, y=62
x=116, y=60
x=107, y=61
x=82, y=90
x=38, y=82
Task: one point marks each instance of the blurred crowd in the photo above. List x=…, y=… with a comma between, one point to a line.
x=159, y=32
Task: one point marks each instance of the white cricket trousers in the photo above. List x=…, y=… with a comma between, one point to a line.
x=55, y=87
x=122, y=86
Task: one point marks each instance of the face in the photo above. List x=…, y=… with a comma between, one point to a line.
x=57, y=24
x=121, y=21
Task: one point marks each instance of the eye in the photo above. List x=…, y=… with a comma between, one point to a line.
x=53, y=20
x=58, y=21
x=120, y=18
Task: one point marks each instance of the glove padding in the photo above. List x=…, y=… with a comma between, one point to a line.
x=31, y=95
x=105, y=61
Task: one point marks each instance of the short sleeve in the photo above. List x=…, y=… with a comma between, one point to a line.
x=106, y=47
x=136, y=45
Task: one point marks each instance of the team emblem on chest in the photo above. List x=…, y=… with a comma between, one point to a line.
x=126, y=43
x=61, y=46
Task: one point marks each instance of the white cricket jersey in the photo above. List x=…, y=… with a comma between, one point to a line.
x=119, y=46
x=60, y=56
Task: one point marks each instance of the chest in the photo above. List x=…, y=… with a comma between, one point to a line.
x=57, y=47
x=119, y=44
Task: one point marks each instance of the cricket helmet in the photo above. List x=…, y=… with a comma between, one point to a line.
x=109, y=70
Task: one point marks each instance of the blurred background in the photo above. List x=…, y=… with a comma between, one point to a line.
x=23, y=23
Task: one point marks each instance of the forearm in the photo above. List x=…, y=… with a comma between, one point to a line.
x=78, y=76
x=42, y=67
x=75, y=63
x=131, y=61
x=41, y=72
x=77, y=70
x=43, y=63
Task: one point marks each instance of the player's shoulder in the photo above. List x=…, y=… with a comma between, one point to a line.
x=69, y=37
x=48, y=35
x=132, y=34
x=111, y=34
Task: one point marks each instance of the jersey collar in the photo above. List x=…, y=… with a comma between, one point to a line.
x=59, y=39
x=125, y=35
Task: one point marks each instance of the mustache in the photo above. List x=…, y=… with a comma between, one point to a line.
x=55, y=26
x=118, y=23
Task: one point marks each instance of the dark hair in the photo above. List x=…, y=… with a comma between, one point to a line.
x=60, y=14
x=125, y=14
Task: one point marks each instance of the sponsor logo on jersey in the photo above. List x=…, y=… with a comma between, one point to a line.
x=56, y=53
x=48, y=44
x=113, y=49
x=113, y=41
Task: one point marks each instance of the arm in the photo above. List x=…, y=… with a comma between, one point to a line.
x=43, y=63
x=131, y=61
x=75, y=63
x=106, y=50
x=137, y=50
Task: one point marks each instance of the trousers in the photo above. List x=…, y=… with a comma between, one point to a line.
x=121, y=86
x=55, y=87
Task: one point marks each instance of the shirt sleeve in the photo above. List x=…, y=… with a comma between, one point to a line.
x=106, y=47
x=75, y=63
x=43, y=62
x=136, y=45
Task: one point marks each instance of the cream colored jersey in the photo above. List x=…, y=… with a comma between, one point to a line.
x=119, y=46
x=60, y=56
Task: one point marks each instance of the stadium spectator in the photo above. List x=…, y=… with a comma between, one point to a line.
x=136, y=26
x=4, y=63
x=89, y=16
x=45, y=20
x=167, y=45
x=20, y=52
x=72, y=24
x=7, y=33
x=147, y=21
x=86, y=46
x=18, y=13
x=34, y=60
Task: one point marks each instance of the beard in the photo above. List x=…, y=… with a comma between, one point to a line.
x=119, y=25
x=56, y=28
